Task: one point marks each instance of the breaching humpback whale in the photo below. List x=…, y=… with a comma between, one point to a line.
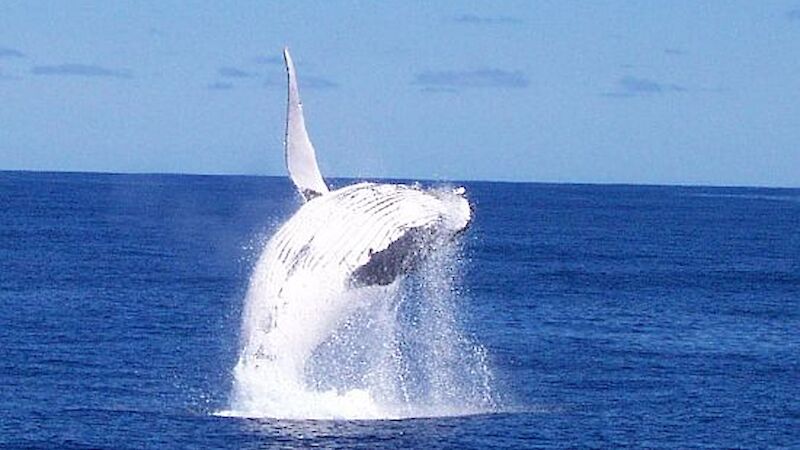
x=362, y=237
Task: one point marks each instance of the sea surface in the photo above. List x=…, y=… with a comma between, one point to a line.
x=612, y=316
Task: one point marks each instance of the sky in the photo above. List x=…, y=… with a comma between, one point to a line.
x=678, y=92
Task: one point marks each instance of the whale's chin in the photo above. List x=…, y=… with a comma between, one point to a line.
x=458, y=214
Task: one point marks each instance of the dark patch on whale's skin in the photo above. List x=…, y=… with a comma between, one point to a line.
x=298, y=258
x=309, y=194
x=399, y=258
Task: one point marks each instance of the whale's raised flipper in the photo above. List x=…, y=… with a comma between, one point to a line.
x=301, y=159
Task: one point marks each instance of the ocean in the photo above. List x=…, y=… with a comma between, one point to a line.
x=608, y=316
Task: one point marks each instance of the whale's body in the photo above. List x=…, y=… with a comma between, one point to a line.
x=339, y=245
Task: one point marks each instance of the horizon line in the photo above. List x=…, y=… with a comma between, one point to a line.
x=396, y=178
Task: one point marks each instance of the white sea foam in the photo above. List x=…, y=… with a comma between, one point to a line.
x=320, y=350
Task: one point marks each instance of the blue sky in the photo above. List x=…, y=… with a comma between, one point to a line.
x=678, y=92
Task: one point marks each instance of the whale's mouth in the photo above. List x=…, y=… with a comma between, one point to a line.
x=458, y=214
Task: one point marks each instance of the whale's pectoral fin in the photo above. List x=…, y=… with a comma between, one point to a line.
x=399, y=258
x=301, y=160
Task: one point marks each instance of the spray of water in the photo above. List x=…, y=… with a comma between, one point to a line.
x=376, y=352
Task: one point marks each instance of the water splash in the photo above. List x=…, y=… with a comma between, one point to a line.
x=377, y=352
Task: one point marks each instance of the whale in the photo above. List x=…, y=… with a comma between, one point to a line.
x=340, y=247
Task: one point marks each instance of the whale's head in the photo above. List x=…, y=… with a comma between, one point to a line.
x=400, y=226
x=457, y=213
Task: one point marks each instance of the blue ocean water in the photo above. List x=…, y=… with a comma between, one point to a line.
x=613, y=316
